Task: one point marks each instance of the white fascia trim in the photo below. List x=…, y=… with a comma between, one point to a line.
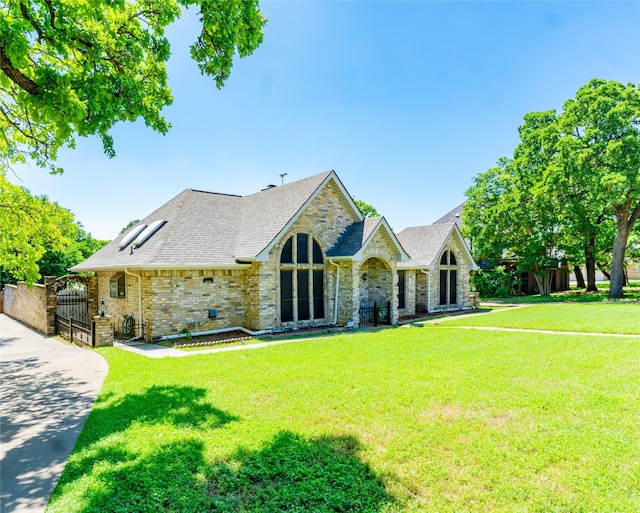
x=160, y=267
x=263, y=256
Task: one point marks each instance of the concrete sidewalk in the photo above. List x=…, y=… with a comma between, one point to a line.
x=47, y=389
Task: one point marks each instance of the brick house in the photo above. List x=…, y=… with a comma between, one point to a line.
x=295, y=255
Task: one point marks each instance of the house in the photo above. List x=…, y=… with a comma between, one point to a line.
x=437, y=274
x=291, y=256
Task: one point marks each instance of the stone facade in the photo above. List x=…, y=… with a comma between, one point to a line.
x=423, y=287
x=177, y=300
x=249, y=294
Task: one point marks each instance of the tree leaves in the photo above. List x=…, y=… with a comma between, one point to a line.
x=77, y=68
x=571, y=173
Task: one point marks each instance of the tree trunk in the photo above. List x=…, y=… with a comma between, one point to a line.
x=617, y=259
x=544, y=279
x=579, y=277
x=590, y=263
x=603, y=270
x=626, y=217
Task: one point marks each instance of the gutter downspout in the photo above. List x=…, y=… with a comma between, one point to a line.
x=126, y=271
x=428, y=273
x=335, y=305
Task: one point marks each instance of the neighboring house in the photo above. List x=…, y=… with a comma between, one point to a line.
x=291, y=256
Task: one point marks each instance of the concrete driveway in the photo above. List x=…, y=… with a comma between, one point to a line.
x=47, y=390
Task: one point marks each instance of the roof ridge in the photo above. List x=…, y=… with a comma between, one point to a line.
x=217, y=193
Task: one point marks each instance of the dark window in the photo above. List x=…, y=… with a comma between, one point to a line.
x=287, y=252
x=286, y=296
x=452, y=259
x=443, y=259
x=453, y=282
x=303, y=295
x=318, y=294
x=302, y=265
x=317, y=253
x=401, y=289
x=303, y=249
x=117, y=286
x=444, y=276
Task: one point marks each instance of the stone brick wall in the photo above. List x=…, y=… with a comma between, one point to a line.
x=116, y=308
x=103, y=335
x=28, y=305
x=183, y=299
x=325, y=218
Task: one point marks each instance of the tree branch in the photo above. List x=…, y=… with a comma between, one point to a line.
x=16, y=76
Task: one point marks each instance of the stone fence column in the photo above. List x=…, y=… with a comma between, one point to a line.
x=51, y=300
x=104, y=331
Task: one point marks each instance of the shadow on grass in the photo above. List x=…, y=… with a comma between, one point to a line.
x=179, y=406
x=141, y=452
x=296, y=474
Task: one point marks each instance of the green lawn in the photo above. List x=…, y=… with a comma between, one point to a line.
x=594, y=318
x=403, y=420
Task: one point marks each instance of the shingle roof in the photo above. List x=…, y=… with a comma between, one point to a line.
x=424, y=243
x=453, y=216
x=266, y=213
x=205, y=229
x=354, y=237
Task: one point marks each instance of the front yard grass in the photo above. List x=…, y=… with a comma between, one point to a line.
x=403, y=420
x=585, y=318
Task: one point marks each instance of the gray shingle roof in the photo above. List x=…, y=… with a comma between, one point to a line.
x=424, y=243
x=205, y=229
x=453, y=216
x=354, y=237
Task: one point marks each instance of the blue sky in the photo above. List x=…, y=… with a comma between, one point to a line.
x=406, y=101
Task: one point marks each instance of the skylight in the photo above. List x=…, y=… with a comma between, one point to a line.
x=132, y=234
x=148, y=232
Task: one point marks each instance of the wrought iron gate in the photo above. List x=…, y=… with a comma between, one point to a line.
x=72, y=313
x=375, y=314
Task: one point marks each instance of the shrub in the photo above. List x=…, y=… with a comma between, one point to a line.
x=496, y=282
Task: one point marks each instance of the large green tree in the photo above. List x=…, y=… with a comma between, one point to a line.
x=29, y=227
x=601, y=149
x=77, y=67
x=510, y=213
x=572, y=188
x=82, y=246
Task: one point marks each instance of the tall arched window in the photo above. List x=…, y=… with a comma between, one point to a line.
x=448, y=279
x=301, y=279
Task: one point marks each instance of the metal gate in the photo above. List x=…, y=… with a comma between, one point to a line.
x=375, y=314
x=72, y=313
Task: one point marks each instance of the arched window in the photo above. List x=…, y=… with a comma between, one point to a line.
x=301, y=279
x=448, y=279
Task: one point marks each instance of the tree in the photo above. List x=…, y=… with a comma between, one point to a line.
x=572, y=188
x=129, y=226
x=81, y=247
x=71, y=67
x=602, y=139
x=366, y=209
x=511, y=213
x=30, y=226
